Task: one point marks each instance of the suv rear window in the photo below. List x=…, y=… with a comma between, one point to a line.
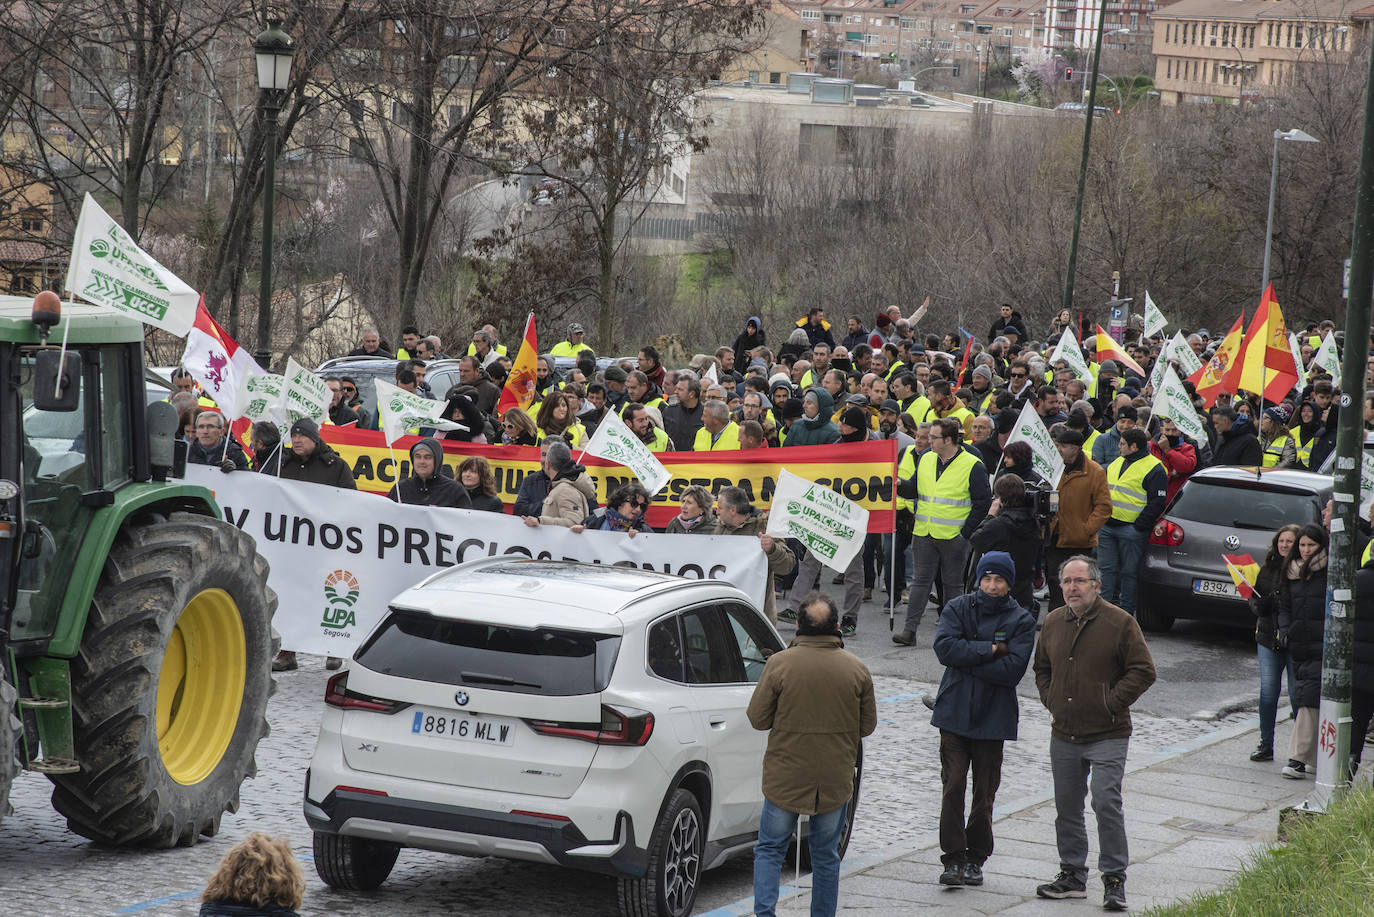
x=525, y=661
x=1243, y=507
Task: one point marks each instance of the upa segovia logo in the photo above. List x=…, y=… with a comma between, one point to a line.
x=341, y=592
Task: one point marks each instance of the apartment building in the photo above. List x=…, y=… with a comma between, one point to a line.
x=1073, y=23
x=1244, y=49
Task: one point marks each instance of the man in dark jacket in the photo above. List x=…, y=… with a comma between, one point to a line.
x=815, y=700
x=682, y=420
x=470, y=372
x=427, y=484
x=311, y=459
x=1011, y=527
x=534, y=487
x=1091, y=663
x=817, y=328
x=1237, y=443
x=1008, y=318
x=340, y=412
x=212, y=447
x=984, y=641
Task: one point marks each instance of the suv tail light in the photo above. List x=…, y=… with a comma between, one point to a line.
x=618, y=726
x=1167, y=534
x=336, y=694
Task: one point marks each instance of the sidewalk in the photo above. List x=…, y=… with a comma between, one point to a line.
x=1194, y=816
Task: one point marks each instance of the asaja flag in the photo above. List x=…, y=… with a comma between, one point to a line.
x=1266, y=362
x=109, y=269
x=215, y=360
x=1182, y=354
x=1069, y=352
x=305, y=394
x=1219, y=373
x=617, y=443
x=1244, y=571
x=829, y=525
x=1172, y=401
x=1327, y=357
x=519, y=388
x=1109, y=349
x=1045, y=458
x=1154, y=319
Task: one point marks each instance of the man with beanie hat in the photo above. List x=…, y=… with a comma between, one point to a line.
x=427, y=484
x=1108, y=446
x=616, y=396
x=984, y=640
x=981, y=384
x=311, y=459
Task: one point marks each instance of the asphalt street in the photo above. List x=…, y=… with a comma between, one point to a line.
x=46, y=870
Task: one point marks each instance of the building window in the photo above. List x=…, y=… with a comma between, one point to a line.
x=775, y=77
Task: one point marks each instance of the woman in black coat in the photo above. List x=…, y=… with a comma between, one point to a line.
x=1011, y=526
x=751, y=337
x=1301, y=622
x=1273, y=656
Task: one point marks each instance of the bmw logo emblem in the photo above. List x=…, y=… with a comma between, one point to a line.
x=1232, y=541
x=462, y=698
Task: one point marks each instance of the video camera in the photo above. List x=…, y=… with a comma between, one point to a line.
x=1043, y=498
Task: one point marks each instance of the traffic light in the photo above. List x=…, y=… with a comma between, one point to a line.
x=1068, y=73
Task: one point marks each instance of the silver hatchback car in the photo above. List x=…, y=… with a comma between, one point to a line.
x=1222, y=510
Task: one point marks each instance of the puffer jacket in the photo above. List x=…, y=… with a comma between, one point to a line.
x=1302, y=624
x=230, y=909
x=1264, y=604
x=569, y=497
x=820, y=431
x=977, y=697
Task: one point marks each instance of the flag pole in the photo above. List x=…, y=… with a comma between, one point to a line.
x=892, y=585
x=391, y=449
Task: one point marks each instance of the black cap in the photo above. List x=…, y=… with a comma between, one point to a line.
x=891, y=404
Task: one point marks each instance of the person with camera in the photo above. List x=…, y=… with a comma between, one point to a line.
x=1013, y=526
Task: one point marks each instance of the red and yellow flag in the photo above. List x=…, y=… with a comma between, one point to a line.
x=1266, y=361
x=519, y=389
x=1219, y=374
x=1109, y=349
x=1244, y=571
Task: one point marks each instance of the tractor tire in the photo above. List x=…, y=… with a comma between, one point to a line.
x=170, y=687
x=11, y=742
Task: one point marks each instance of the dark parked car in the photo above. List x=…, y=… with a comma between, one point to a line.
x=1221, y=510
x=440, y=375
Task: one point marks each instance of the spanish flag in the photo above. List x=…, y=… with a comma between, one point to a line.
x=519, y=389
x=1266, y=361
x=1109, y=349
x=1220, y=373
x=1244, y=571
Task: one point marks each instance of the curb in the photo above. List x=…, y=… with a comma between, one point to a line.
x=852, y=867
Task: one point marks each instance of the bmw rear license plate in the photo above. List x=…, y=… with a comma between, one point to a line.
x=466, y=727
x=1216, y=587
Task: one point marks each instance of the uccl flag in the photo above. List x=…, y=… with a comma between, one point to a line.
x=215, y=360
x=1266, y=363
x=615, y=442
x=109, y=269
x=519, y=389
x=1219, y=373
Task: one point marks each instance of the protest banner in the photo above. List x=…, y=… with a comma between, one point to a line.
x=1327, y=357
x=862, y=472
x=614, y=442
x=831, y=527
x=337, y=557
x=109, y=269
x=1031, y=429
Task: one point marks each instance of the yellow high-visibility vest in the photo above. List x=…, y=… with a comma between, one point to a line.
x=943, y=501
x=1273, y=452
x=1128, y=489
x=728, y=439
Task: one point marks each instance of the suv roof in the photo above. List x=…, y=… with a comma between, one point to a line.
x=565, y=593
x=1283, y=477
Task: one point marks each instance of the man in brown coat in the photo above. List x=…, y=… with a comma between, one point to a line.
x=735, y=515
x=816, y=701
x=1085, y=504
x=1091, y=664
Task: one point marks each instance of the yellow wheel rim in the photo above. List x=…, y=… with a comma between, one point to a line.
x=200, y=687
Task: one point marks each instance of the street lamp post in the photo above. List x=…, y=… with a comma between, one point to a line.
x=1302, y=137
x=274, y=51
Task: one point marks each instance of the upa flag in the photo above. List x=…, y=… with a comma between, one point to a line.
x=1109, y=349
x=1244, y=571
x=1183, y=355
x=614, y=442
x=1327, y=356
x=1219, y=373
x=1266, y=362
x=109, y=269
x=215, y=360
x=305, y=395
x=1172, y=401
x=1068, y=351
x=259, y=398
x=519, y=390
x=400, y=410
x=1045, y=458
x=1154, y=319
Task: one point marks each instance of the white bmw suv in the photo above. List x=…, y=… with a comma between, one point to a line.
x=577, y=714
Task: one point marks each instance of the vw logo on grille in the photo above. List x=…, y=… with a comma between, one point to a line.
x=1232, y=541
x=462, y=698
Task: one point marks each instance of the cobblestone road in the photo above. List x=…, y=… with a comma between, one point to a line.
x=46, y=870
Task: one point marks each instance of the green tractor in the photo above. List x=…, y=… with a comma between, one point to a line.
x=135, y=624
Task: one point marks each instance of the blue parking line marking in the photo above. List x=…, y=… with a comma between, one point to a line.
x=158, y=902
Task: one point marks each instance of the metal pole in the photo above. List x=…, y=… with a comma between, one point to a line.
x=1269, y=222
x=264, y=351
x=1333, y=731
x=1083, y=163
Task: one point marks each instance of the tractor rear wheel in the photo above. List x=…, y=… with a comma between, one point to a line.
x=11, y=737
x=170, y=689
